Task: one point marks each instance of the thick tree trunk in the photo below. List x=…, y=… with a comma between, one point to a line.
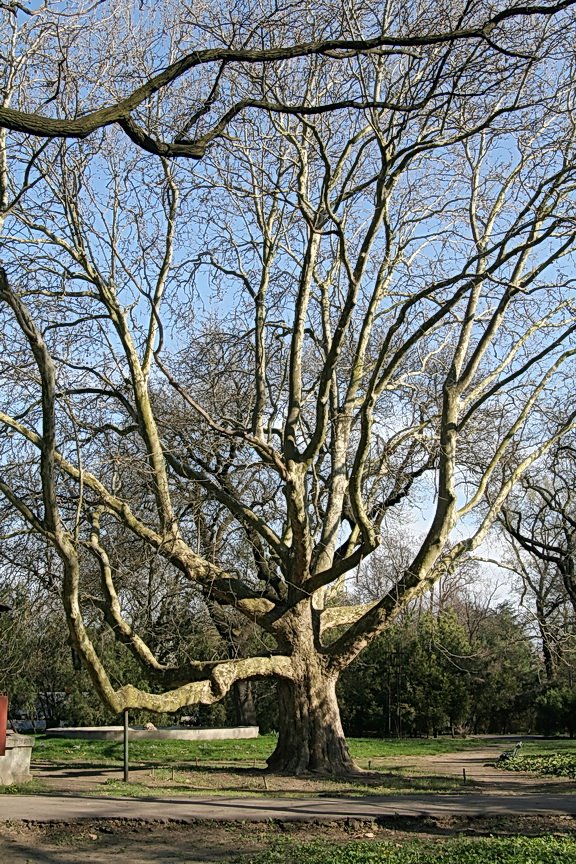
x=310, y=736
x=244, y=706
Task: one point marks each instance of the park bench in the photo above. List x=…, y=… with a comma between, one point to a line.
x=510, y=754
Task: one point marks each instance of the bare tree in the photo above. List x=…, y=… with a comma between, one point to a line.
x=106, y=62
x=540, y=523
x=357, y=302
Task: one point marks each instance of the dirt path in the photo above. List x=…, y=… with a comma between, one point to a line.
x=480, y=769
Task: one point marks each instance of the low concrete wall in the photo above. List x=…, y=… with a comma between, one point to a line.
x=15, y=764
x=176, y=733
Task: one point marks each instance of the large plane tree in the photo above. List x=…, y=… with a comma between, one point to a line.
x=311, y=279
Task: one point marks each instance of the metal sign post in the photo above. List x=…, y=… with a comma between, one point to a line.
x=3, y=705
x=126, y=745
x=3, y=723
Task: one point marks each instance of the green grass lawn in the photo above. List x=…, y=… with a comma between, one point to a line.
x=30, y=787
x=220, y=767
x=513, y=850
x=548, y=745
x=59, y=750
x=246, y=751
x=540, y=755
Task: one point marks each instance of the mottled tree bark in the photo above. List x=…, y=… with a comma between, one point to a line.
x=310, y=734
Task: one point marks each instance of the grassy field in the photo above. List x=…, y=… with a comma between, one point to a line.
x=513, y=850
x=236, y=767
x=247, y=751
x=548, y=745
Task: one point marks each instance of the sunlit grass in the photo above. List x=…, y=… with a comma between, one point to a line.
x=548, y=745
x=249, y=751
x=30, y=787
x=513, y=850
x=68, y=750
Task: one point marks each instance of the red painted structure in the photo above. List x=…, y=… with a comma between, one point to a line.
x=3, y=723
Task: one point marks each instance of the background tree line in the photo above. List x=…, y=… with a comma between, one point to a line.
x=458, y=663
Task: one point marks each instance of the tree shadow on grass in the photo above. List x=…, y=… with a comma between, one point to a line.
x=186, y=778
x=233, y=780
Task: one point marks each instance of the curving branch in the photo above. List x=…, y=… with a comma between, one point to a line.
x=120, y=112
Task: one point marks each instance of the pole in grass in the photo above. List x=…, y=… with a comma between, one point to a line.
x=126, y=745
x=3, y=705
x=3, y=723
